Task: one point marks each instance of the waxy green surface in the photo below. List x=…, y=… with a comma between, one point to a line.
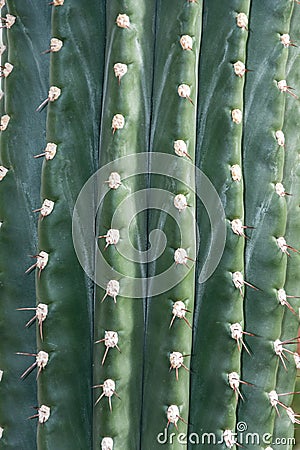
x=73, y=124
x=19, y=196
x=219, y=146
x=263, y=163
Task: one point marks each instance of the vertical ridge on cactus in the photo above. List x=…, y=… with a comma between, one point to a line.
x=19, y=195
x=265, y=210
x=220, y=298
x=168, y=335
x=124, y=133
x=285, y=382
x=65, y=385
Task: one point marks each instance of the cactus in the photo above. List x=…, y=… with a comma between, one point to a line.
x=150, y=166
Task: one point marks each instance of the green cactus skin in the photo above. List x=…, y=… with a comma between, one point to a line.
x=265, y=210
x=174, y=118
x=73, y=124
x=219, y=302
x=19, y=193
x=283, y=427
x=129, y=96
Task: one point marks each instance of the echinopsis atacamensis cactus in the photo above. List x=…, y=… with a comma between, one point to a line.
x=169, y=132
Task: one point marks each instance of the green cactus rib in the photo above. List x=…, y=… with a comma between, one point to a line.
x=173, y=119
x=263, y=161
x=19, y=193
x=65, y=385
x=219, y=302
x=128, y=95
x=283, y=427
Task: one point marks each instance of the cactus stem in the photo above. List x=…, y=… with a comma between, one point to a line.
x=42, y=260
x=40, y=316
x=179, y=311
x=176, y=361
x=238, y=281
x=237, y=334
x=53, y=94
x=283, y=87
x=112, y=290
x=40, y=363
